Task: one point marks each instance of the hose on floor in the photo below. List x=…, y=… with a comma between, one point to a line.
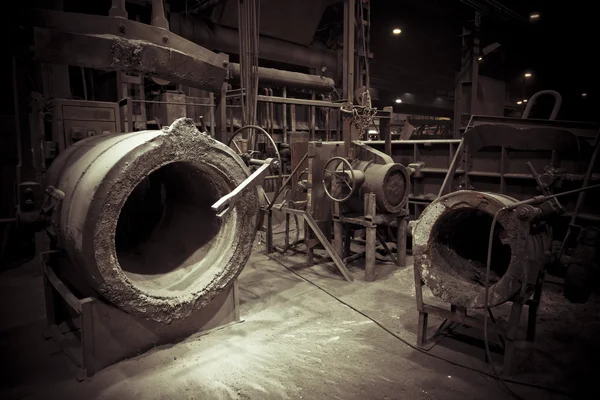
x=395, y=335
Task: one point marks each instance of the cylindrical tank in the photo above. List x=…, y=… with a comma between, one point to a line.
x=390, y=183
x=135, y=221
x=450, y=247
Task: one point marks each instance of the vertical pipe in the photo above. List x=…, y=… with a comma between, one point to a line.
x=327, y=128
x=83, y=83
x=221, y=114
x=117, y=9
x=349, y=149
x=338, y=130
x=348, y=52
x=284, y=123
x=130, y=124
x=328, y=120
x=313, y=110
x=385, y=128
x=272, y=113
x=158, y=15
x=267, y=112
x=211, y=113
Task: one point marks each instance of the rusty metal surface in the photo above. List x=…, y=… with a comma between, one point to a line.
x=111, y=52
x=124, y=28
x=129, y=218
x=450, y=249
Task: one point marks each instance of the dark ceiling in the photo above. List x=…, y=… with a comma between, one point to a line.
x=558, y=49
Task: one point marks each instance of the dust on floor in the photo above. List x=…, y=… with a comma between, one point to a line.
x=296, y=342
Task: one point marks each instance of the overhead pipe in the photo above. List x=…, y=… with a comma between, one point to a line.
x=280, y=77
x=225, y=39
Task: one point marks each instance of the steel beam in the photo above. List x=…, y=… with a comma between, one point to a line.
x=111, y=52
x=124, y=28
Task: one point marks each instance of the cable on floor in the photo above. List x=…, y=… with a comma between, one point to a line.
x=395, y=335
x=488, y=354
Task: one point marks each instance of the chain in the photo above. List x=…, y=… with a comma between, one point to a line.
x=362, y=116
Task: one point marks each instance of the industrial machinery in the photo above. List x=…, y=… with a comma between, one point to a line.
x=452, y=258
x=135, y=243
x=479, y=250
x=351, y=186
x=367, y=191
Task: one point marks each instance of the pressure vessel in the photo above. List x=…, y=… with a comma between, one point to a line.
x=135, y=223
x=450, y=248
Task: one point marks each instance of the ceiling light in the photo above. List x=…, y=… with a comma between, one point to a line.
x=584, y=94
x=397, y=31
x=525, y=101
x=480, y=58
x=534, y=16
x=398, y=100
x=519, y=102
x=527, y=74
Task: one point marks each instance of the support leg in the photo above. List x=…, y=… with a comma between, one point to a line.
x=534, y=304
x=371, y=237
x=347, y=238
x=401, y=242
x=287, y=231
x=423, y=316
x=511, y=336
x=338, y=237
x=269, y=239
x=370, y=260
x=310, y=254
x=422, y=329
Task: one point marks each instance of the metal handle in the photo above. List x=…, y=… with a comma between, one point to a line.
x=226, y=203
x=533, y=99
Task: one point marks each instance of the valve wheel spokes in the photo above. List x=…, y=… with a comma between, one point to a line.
x=333, y=174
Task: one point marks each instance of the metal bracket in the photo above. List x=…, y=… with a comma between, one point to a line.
x=225, y=203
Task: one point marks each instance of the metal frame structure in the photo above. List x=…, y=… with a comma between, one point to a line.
x=458, y=315
x=94, y=334
x=342, y=227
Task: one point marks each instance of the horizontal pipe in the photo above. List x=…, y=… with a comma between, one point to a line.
x=418, y=141
x=301, y=102
x=172, y=103
x=225, y=39
x=287, y=78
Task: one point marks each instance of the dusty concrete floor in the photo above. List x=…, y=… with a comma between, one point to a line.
x=296, y=342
